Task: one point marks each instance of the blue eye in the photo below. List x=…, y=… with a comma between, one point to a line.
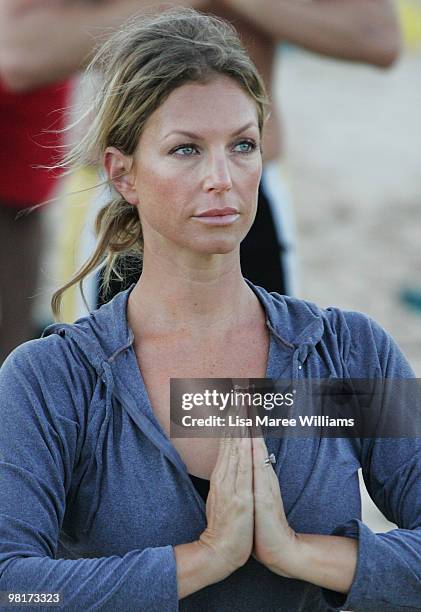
x=188, y=150
x=246, y=146
x=185, y=150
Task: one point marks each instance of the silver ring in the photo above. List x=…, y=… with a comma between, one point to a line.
x=270, y=459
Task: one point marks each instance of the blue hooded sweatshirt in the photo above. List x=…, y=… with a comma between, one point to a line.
x=93, y=495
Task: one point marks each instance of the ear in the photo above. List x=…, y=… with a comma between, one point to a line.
x=120, y=172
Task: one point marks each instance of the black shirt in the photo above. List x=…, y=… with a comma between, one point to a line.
x=201, y=485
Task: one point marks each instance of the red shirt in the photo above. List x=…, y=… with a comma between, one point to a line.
x=24, y=117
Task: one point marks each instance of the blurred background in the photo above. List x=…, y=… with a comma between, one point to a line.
x=354, y=155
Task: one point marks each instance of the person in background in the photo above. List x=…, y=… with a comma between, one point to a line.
x=42, y=44
x=357, y=30
x=24, y=119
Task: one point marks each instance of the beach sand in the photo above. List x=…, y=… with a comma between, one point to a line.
x=354, y=157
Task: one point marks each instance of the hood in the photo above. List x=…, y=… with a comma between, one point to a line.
x=295, y=323
x=103, y=334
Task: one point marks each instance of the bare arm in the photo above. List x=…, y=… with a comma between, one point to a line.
x=358, y=30
x=328, y=561
x=42, y=41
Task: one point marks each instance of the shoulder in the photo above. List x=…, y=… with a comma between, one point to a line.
x=354, y=338
x=367, y=345
x=50, y=372
x=46, y=403
x=49, y=356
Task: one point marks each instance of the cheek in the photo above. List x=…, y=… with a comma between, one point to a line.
x=258, y=173
x=163, y=178
x=163, y=195
x=249, y=176
x=250, y=188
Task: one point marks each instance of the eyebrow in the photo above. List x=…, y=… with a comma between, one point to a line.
x=198, y=137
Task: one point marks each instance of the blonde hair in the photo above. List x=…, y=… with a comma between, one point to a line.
x=140, y=65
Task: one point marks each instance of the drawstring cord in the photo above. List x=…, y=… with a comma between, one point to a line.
x=107, y=379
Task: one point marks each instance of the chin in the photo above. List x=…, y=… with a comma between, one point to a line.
x=219, y=244
x=218, y=247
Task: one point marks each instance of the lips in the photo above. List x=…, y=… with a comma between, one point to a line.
x=218, y=212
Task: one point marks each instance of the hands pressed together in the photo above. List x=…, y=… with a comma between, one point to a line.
x=245, y=516
x=245, y=512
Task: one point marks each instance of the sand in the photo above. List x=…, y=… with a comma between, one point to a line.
x=353, y=152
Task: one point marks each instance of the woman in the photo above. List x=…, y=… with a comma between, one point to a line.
x=98, y=503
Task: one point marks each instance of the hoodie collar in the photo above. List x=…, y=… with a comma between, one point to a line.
x=296, y=324
x=105, y=333
x=102, y=334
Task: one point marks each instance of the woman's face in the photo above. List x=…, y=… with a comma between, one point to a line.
x=197, y=169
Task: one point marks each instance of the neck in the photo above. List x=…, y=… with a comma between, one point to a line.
x=208, y=299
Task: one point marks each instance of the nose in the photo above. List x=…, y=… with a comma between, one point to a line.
x=217, y=174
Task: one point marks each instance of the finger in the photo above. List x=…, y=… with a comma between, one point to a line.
x=260, y=468
x=232, y=463
x=265, y=478
x=260, y=451
x=244, y=480
x=221, y=460
x=228, y=461
x=243, y=431
x=241, y=385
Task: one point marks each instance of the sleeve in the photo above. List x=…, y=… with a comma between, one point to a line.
x=388, y=573
x=39, y=431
